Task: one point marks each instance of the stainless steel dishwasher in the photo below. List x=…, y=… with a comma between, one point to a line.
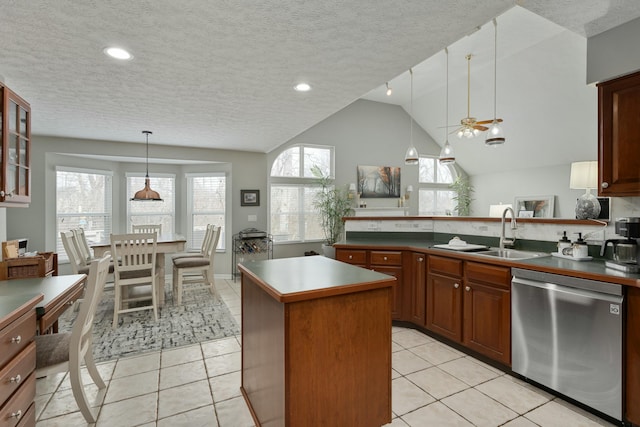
x=566, y=334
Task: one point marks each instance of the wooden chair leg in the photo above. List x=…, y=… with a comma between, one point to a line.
x=179, y=285
x=116, y=304
x=92, y=369
x=78, y=390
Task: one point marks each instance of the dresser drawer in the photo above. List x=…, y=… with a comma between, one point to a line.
x=18, y=406
x=490, y=274
x=29, y=419
x=16, y=372
x=356, y=257
x=447, y=266
x=386, y=258
x=17, y=336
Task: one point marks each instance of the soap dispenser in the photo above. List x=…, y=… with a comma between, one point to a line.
x=564, y=242
x=580, y=248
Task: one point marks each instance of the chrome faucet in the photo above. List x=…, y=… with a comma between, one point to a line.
x=503, y=240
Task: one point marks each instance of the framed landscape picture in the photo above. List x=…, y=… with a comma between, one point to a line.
x=534, y=206
x=249, y=197
x=378, y=181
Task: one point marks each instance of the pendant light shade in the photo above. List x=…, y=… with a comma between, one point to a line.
x=446, y=154
x=495, y=135
x=411, y=157
x=147, y=194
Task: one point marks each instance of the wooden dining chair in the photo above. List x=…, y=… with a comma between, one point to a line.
x=83, y=246
x=135, y=273
x=203, y=248
x=78, y=265
x=192, y=270
x=147, y=228
x=67, y=351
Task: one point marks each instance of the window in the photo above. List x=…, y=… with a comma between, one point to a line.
x=83, y=200
x=292, y=217
x=206, y=204
x=152, y=212
x=435, y=196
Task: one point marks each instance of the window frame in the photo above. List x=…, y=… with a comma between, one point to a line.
x=436, y=186
x=301, y=182
x=189, y=185
x=62, y=255
x=128, y=213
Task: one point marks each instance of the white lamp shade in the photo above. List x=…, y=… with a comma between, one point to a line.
x=584, y=175
x=409, y=188
x=352, y=187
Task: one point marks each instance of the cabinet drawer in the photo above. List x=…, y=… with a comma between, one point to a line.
x=14, y=374
x=447, y=266
x=18, y=406
x=386, y=258
x=52, y=315
x=29, y=419
x=490, y=274
x=17, y=336
x=352, y=256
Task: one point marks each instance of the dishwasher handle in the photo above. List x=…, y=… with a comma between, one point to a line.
x=569, y=290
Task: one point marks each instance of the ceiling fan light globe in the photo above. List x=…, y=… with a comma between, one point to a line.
x=411, y=157
x=495, y=135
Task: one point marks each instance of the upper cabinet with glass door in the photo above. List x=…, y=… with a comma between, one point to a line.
x=15, y=134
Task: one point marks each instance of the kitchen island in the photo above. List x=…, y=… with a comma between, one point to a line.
x=316, y=343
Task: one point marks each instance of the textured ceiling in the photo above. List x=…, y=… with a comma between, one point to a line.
x=219, y=74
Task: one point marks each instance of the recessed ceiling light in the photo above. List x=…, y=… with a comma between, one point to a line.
x=302, y=87
x=118, y=53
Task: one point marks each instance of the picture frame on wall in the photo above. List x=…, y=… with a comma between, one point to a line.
x=378, y=182
x=249, y=197
x=534, y=206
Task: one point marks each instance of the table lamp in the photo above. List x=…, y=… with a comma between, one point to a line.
x=584, y=176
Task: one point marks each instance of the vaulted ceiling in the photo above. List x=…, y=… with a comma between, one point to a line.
x=219, y=74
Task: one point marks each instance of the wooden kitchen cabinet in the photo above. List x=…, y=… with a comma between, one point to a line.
x=417, y=303
x=618, y=136
x=15, y=137
x=444, y=297
x=487, y=310
x=382, y=261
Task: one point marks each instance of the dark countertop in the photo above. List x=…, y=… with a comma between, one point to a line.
x=594, y=269
x=310, y=277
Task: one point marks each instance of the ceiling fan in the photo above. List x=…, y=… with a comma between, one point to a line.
x=470, y=127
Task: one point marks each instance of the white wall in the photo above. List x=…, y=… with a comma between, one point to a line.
x=614, y=53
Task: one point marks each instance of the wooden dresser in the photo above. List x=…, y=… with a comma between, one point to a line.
x=18, y=360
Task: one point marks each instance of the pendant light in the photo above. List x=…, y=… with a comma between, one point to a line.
x=446, y=154
x=147, y=194
x=411, y=157
x=495, y=135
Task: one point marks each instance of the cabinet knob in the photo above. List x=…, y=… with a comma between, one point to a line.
x=350, y=256
x=16, y=340
x=16, y=379
x=605, y=185
x=456, y=285
x=467, y=288
x=3, y=194
x=17, y=415
x=420, y=259
x=384, y=258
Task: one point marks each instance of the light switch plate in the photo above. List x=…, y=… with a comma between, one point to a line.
x=252, y=218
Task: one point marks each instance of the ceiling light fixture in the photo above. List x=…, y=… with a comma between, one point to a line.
x=389, y=90
x=302, y=87
x=147, y=194
x=411, y=156
x=446, y=154
x=495, y=135
x=118, y=53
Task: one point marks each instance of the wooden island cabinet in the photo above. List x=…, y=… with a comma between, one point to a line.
x=316, y=343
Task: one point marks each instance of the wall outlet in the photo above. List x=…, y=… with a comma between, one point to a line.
x=253, y=218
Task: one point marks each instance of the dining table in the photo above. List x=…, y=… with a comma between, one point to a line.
x=165, y=244
x=59, y=293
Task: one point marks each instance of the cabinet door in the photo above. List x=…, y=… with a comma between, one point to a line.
x=16, y=149
x=618, y=136
x=418, y=287
x=396, y=308
x=487, y=321
x=444, y=305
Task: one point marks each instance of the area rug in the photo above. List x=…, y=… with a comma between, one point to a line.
x=201, y=317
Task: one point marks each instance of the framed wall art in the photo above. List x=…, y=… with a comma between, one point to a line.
x=249, y=197
x=378, y=182
x=534, y=206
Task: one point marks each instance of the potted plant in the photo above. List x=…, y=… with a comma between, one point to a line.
x=464, y=190
x=333, y=203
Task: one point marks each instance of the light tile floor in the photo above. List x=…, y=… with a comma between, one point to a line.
x=198, y=385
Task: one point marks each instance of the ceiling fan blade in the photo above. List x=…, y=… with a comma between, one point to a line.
x=486, y=122
x=481, y=128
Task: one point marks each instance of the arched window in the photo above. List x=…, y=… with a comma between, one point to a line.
x=293, y=187
x=435, y=197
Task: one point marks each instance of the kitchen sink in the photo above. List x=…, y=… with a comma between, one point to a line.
x=511, y=254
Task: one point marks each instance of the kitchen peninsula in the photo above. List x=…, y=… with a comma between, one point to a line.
x=316, y=343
